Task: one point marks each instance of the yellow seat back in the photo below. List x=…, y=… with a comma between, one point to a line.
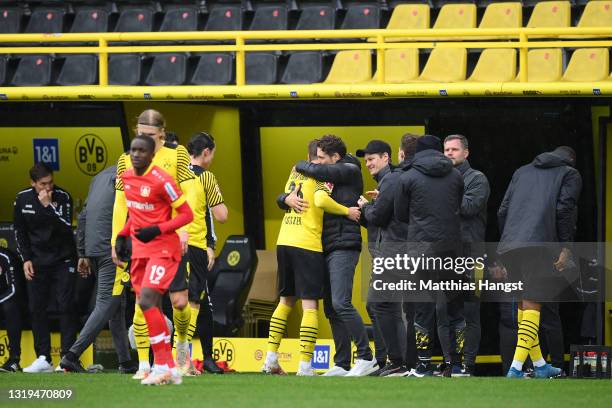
x=495, y=65
x=588, y=65
x=349, y=67
x=445, y=65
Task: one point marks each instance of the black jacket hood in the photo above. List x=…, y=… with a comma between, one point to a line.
x=432, y=163
x=350, y=159
x=548, y=160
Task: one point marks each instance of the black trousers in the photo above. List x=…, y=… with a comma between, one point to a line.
x=63, y=277
x=12, y=315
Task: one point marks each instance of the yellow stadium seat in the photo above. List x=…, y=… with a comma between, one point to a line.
x=456, y=16
x=550, y=14
x=595, y=14
x=588, y=65
x=495, y=65
x=502, y=15
x=544, y=65
x=349, y=67
x=408, y=17
x=445, y=65
x=401, y=65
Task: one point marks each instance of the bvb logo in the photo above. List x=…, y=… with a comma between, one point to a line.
x=3, y=243
x=4, y=349
x=233, y=258
x=223, y=350
x=91, y=154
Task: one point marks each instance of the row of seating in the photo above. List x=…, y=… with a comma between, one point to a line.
x=305, y=67
x=309, y=16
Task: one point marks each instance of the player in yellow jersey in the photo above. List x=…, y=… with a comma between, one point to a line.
x=301, y=265
x=200, y=255
x=175, y=161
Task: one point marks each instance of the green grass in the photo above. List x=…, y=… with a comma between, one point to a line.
x=253, y=390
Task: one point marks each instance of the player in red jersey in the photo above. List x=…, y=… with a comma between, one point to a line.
x=151, y=194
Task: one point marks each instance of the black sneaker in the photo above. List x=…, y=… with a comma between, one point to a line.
x=439, y=370
x=10, y=367
x=127, y=368
x=402, y=372
x=448, y=371
x=72, y=366
x=424, y=370
x=463, y=371
x=211, y=367
x=390, y=368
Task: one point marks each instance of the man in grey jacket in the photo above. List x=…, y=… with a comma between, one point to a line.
x=535, y=245
x=94, y=251
x=473, y=217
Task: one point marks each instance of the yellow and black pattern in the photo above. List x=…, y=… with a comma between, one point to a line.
x=309, y=331
x=206, y=193
x=278, y=326
x=527, y=335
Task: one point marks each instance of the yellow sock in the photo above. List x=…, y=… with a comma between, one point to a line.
x=181, y=320
x=527, y=334
x=278, y=325
x=193, y=319
x=141, y=333
x=309, y=330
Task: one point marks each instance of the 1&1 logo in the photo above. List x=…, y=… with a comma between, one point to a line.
x=320, y=357
x=91, y=154
x=223, y=350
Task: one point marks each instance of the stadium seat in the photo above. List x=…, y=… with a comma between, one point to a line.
x=3, y=60
x=180, y=18
x=46, y=20
x=214, y=68
x=167, y=69
x=90, y=19
x=408, y=17
x=588, y=65
x=33, y=70
x=401, y=66
x=550, y=14
x=544, y=65
x=79, y=70
x=316, y=17
x=445, y=65
x=135, y=19
x=10, y=19
x=456, y=16
x=124, y=69
x=224, y=17
x=595, y=14
x=349, y=67
x=261, y=68
x=304, y=67
x=270, y=17
x=495, y=65
x=502, y=15
x=230, y=282
x=361, y=16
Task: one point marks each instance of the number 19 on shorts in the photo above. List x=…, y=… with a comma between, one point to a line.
x=157, y=273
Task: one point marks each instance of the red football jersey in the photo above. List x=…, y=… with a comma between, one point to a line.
x=150, y=199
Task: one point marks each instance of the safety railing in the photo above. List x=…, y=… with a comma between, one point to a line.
x=380, y=40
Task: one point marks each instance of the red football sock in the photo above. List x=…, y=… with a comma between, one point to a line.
x=159, y=337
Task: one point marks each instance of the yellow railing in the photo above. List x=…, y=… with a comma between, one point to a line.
x=522, y=39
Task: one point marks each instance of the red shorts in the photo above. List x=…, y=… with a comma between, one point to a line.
x=154, y=273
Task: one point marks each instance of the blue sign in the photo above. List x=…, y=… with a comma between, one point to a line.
x=47, y=151
x=443, y=92
x=596, y=91
x=293, y=94
x=320, y=357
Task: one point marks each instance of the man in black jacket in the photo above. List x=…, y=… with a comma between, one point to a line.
x=473, y=215
x=428, y=198
x=535, y=245
x=342, y=246
x=10, y=305
x=389, y=237
x=43, y=228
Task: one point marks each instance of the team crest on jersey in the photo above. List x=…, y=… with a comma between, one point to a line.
x=329, y=185
x=167, y=164
x=145, y=191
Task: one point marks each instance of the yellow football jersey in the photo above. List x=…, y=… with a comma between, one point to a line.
x=303, y=230
x=206, y=194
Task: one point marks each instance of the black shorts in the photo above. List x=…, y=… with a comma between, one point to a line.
x=301, y=273
x=196, y=272
x=179, y=283
x=534, y=267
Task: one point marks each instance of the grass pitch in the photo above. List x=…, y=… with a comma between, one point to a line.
x=257, y=390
